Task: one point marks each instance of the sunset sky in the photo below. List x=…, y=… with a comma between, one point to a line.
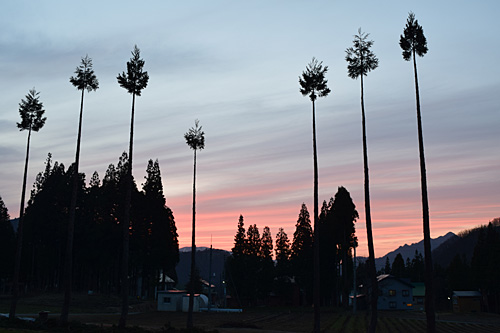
x=234, y=65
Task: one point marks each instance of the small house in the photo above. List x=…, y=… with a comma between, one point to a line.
x=466, y=301
x=178, y=300
x=394, y=293
x=170, y=300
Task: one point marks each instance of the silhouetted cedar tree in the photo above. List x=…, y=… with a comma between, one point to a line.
x=302, y=252
x=413, y=42
x=344, y=216
x=85, y=79
x=235, y=266
x=134, y=81
x=314, y=84
x=195, y=139
x=32, y=119
x=266, y=272
x=239, y=239
x=361, y=60
x=398, y=266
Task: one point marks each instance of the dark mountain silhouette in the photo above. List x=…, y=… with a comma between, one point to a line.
x=408, y=251
x=15, y=223
x=203, y=263
x=444, y=248
x=462, y=245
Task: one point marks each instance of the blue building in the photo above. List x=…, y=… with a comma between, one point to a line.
x=394, y=293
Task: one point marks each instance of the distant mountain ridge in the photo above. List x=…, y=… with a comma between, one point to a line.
x=408, y=251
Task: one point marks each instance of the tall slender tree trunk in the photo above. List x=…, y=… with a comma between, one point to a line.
x=68, y=264
x=371, y=260
x=126, y=225
x=354, y=283
x=193, y=251
x=19, y=248
x=429, y=293
x=316, y=286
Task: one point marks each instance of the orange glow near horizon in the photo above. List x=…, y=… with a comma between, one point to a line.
x=394, y=223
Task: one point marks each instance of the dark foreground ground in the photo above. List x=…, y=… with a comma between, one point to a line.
x=103, y=312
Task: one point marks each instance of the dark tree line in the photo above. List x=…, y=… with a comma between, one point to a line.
x=410, y=269
x=248, y=269
x=7, y=246
x=481, y=271
x=253, y=276
x=97, y=257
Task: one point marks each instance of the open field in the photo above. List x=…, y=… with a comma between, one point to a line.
x=103, y=310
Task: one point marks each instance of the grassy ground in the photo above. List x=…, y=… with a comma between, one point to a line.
x=103, y=311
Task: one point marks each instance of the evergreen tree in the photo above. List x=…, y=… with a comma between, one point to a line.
x=387, y=267
x=236, y=263
x=282, y=283
x=302, y=251
x=362, y=60
x=459, y=274
x=417, y=267
x=252, y=248
x=485, y=262
x=329, y=243
x=252, y=262
x=46, y=221
x=7, y=243
x=154, y=243
x=195, y=139
x=85, y=79
x=283, y=253
x=266, y=244
x=413, y=42
x=344, y=216
x=32, y=119
x=266, y=270
x=239, y=239
x=398, y=266
x=314, y=84
x=95, y=181
x=134, y=81
x=153, y=187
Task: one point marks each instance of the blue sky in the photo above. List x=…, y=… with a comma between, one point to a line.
x=235, y=66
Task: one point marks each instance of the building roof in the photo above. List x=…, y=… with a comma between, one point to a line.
x=383, y=277
x=468, y=293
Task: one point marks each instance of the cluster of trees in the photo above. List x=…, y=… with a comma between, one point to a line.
x=252, y=274
x=410, y=269
x=134, y=80
x=481, y=271
x=360, y=61
x=7, y=246
x=98, y=259
x=470, y=263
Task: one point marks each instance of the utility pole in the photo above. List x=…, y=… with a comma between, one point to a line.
x=354, y=282
x=210, y=277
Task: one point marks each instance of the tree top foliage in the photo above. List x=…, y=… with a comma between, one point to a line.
x=85, y=77
x=313, y=82
x=359, y=57
x=195, y=137
x=31, y=111
x=135, y=80
x=303, y=235
x=4, y=213
x=413, y=40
